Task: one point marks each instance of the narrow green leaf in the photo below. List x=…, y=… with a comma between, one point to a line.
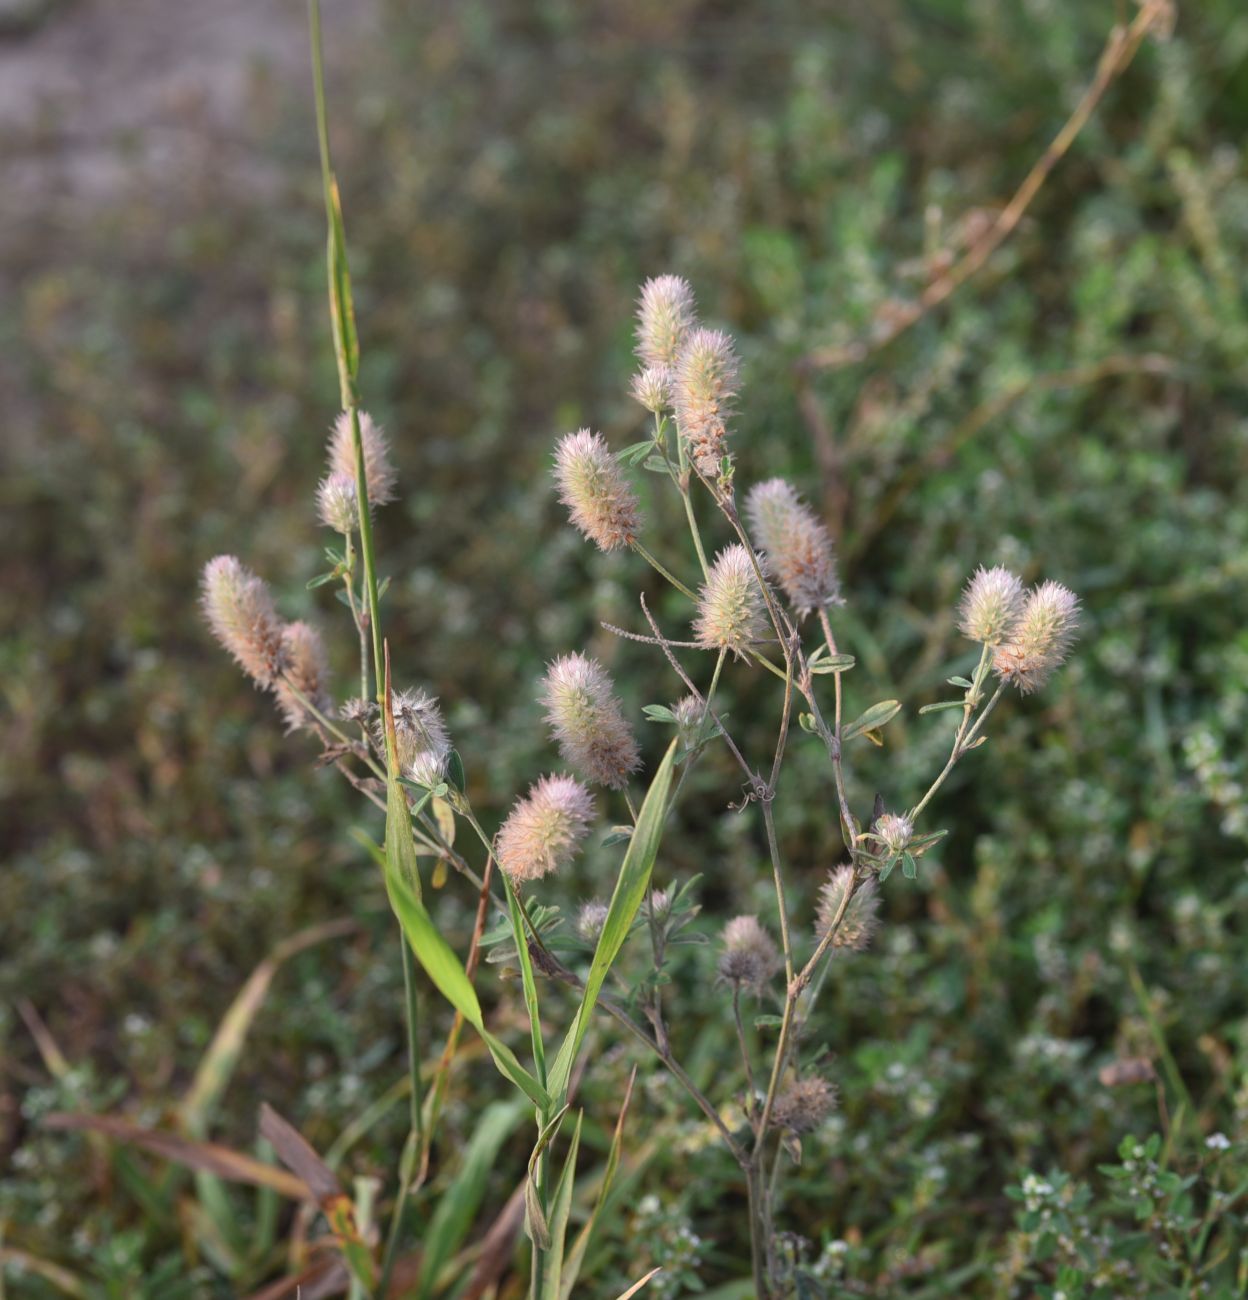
x=630, y=888
x=451, y=980
x=561, y=1208
x=458, y=1206
x=962, y=682
x=526, y=976
x=576, y=1256
x=659, y=713
x=535, y=1226
x=636, y=451
x=942, y=704
x=834, y=664
x=876, y=716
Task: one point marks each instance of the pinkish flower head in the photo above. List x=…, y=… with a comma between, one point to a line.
x=665, y=314
x=730, y=604
x=240, y=612
x=587, y=721
x=379, y=473
x=545, y=829
x=704, y=391
x=593, y=487
x=990, y=606
x=797, y=550
x=1041, y=639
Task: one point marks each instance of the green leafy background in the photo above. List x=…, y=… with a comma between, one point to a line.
x=510, y=172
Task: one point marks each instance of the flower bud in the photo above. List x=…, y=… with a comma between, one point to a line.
x=804, y=1105
x=749, y=958
x=424, y=745
x=704, y=389
x=587, y=722
x=1040, y=640
x=240, y=613
x=307, y=670
x=859, y=922
x=652, y=387
x=894, y=831
x=730, y=604
x=593, y=487
x=379, y=474
x=990, y=606
x=590, y=918
x=338, y=504
x=544, y=829
x=658, y=905
x=665, y=315
x=797, y=550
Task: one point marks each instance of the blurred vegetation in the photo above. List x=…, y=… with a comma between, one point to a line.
x=510, y=172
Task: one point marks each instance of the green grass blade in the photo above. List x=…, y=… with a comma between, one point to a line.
x=561, y=1208
x=526, y=977
x=451, y=980
x=457, y=1210
x=630, y=889
x=576, y=1256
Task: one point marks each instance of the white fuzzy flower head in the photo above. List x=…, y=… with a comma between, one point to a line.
x=587, y=722
x=796, y=547
x=704, y=392
x=592, y=485
x=591, y=916
x=1040, y=640
x=730, y=604
x=379, y=473
x=859, y=922
x=240, y=613
x=990, y=605
x=337, y=503
x=545, y=829
x=307, y=671
x=424, y=745
x=748, y=959
x=665, y=314
x=652, y=387
x=895, y=831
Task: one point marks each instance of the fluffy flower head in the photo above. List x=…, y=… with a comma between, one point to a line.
x=591, y=916
x=704, y=388
x=730, y=604
x=424, y=745
x=593, y=487
x=859, y=922
x=895, y=831
x=990, y=605
x=337, y=503
x=587, y=722
x=1041, y=639
x=239, y=610
x=796, y=547
x=804, y=1105
x=748, y=959
x=308, y=672
x=665, y=315
x=544, y=829
x=652, y=387
x=379, y=475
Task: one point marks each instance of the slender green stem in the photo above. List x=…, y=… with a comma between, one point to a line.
x=838, y=764
x=966, y=733
x=659, y=568
x=356, y=615
x=332, y=727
